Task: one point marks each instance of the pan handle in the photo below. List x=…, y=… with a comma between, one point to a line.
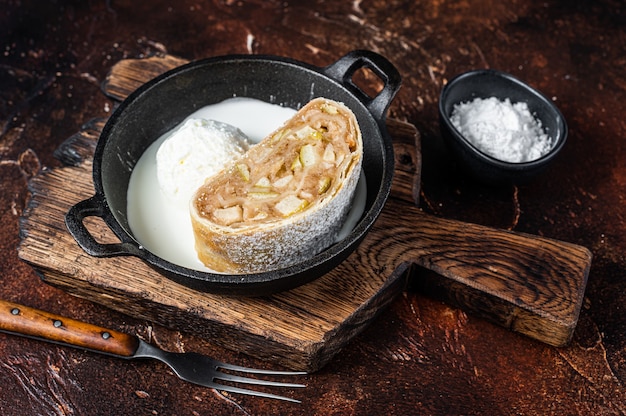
x=344, y=69
x=95, y=207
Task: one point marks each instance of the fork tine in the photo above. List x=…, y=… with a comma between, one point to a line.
x=254, y=381
x=248, y=392
x=247, y=380
x=233, y=367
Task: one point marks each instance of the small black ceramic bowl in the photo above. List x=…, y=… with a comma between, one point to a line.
x=490, y=83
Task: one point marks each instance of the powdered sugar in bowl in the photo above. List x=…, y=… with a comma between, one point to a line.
x=501, y=129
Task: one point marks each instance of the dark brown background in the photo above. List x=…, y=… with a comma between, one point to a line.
x=420, y=356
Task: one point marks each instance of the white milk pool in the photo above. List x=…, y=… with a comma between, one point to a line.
x=163, y=225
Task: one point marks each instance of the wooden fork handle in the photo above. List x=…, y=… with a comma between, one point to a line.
x=22, y=320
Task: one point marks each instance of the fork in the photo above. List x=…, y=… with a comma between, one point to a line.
x=192, y=367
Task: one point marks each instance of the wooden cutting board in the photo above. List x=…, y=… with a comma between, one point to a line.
x=529, y=284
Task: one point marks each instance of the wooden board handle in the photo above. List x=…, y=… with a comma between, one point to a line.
x=34, y=323
x=530, y=284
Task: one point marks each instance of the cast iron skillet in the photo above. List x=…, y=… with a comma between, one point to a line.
x=164, y=102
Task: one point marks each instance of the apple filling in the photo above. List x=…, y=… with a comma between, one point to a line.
x=283, y=175
x=298, y=168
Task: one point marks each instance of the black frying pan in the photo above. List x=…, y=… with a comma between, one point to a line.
x=164, y=102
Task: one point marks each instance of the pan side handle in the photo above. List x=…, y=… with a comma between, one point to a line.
x=345, y=67
x=95, y=207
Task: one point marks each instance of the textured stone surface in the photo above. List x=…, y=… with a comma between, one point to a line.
x=420, y=356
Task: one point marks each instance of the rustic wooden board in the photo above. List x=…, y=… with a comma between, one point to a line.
x=530, y=284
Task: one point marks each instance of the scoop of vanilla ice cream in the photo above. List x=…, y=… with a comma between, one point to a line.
x=198, y=149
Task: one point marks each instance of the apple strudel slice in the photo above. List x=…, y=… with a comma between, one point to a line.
x=284, y=200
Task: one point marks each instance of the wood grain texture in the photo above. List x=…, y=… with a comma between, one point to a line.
x=529, y=284
x=128, y=75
